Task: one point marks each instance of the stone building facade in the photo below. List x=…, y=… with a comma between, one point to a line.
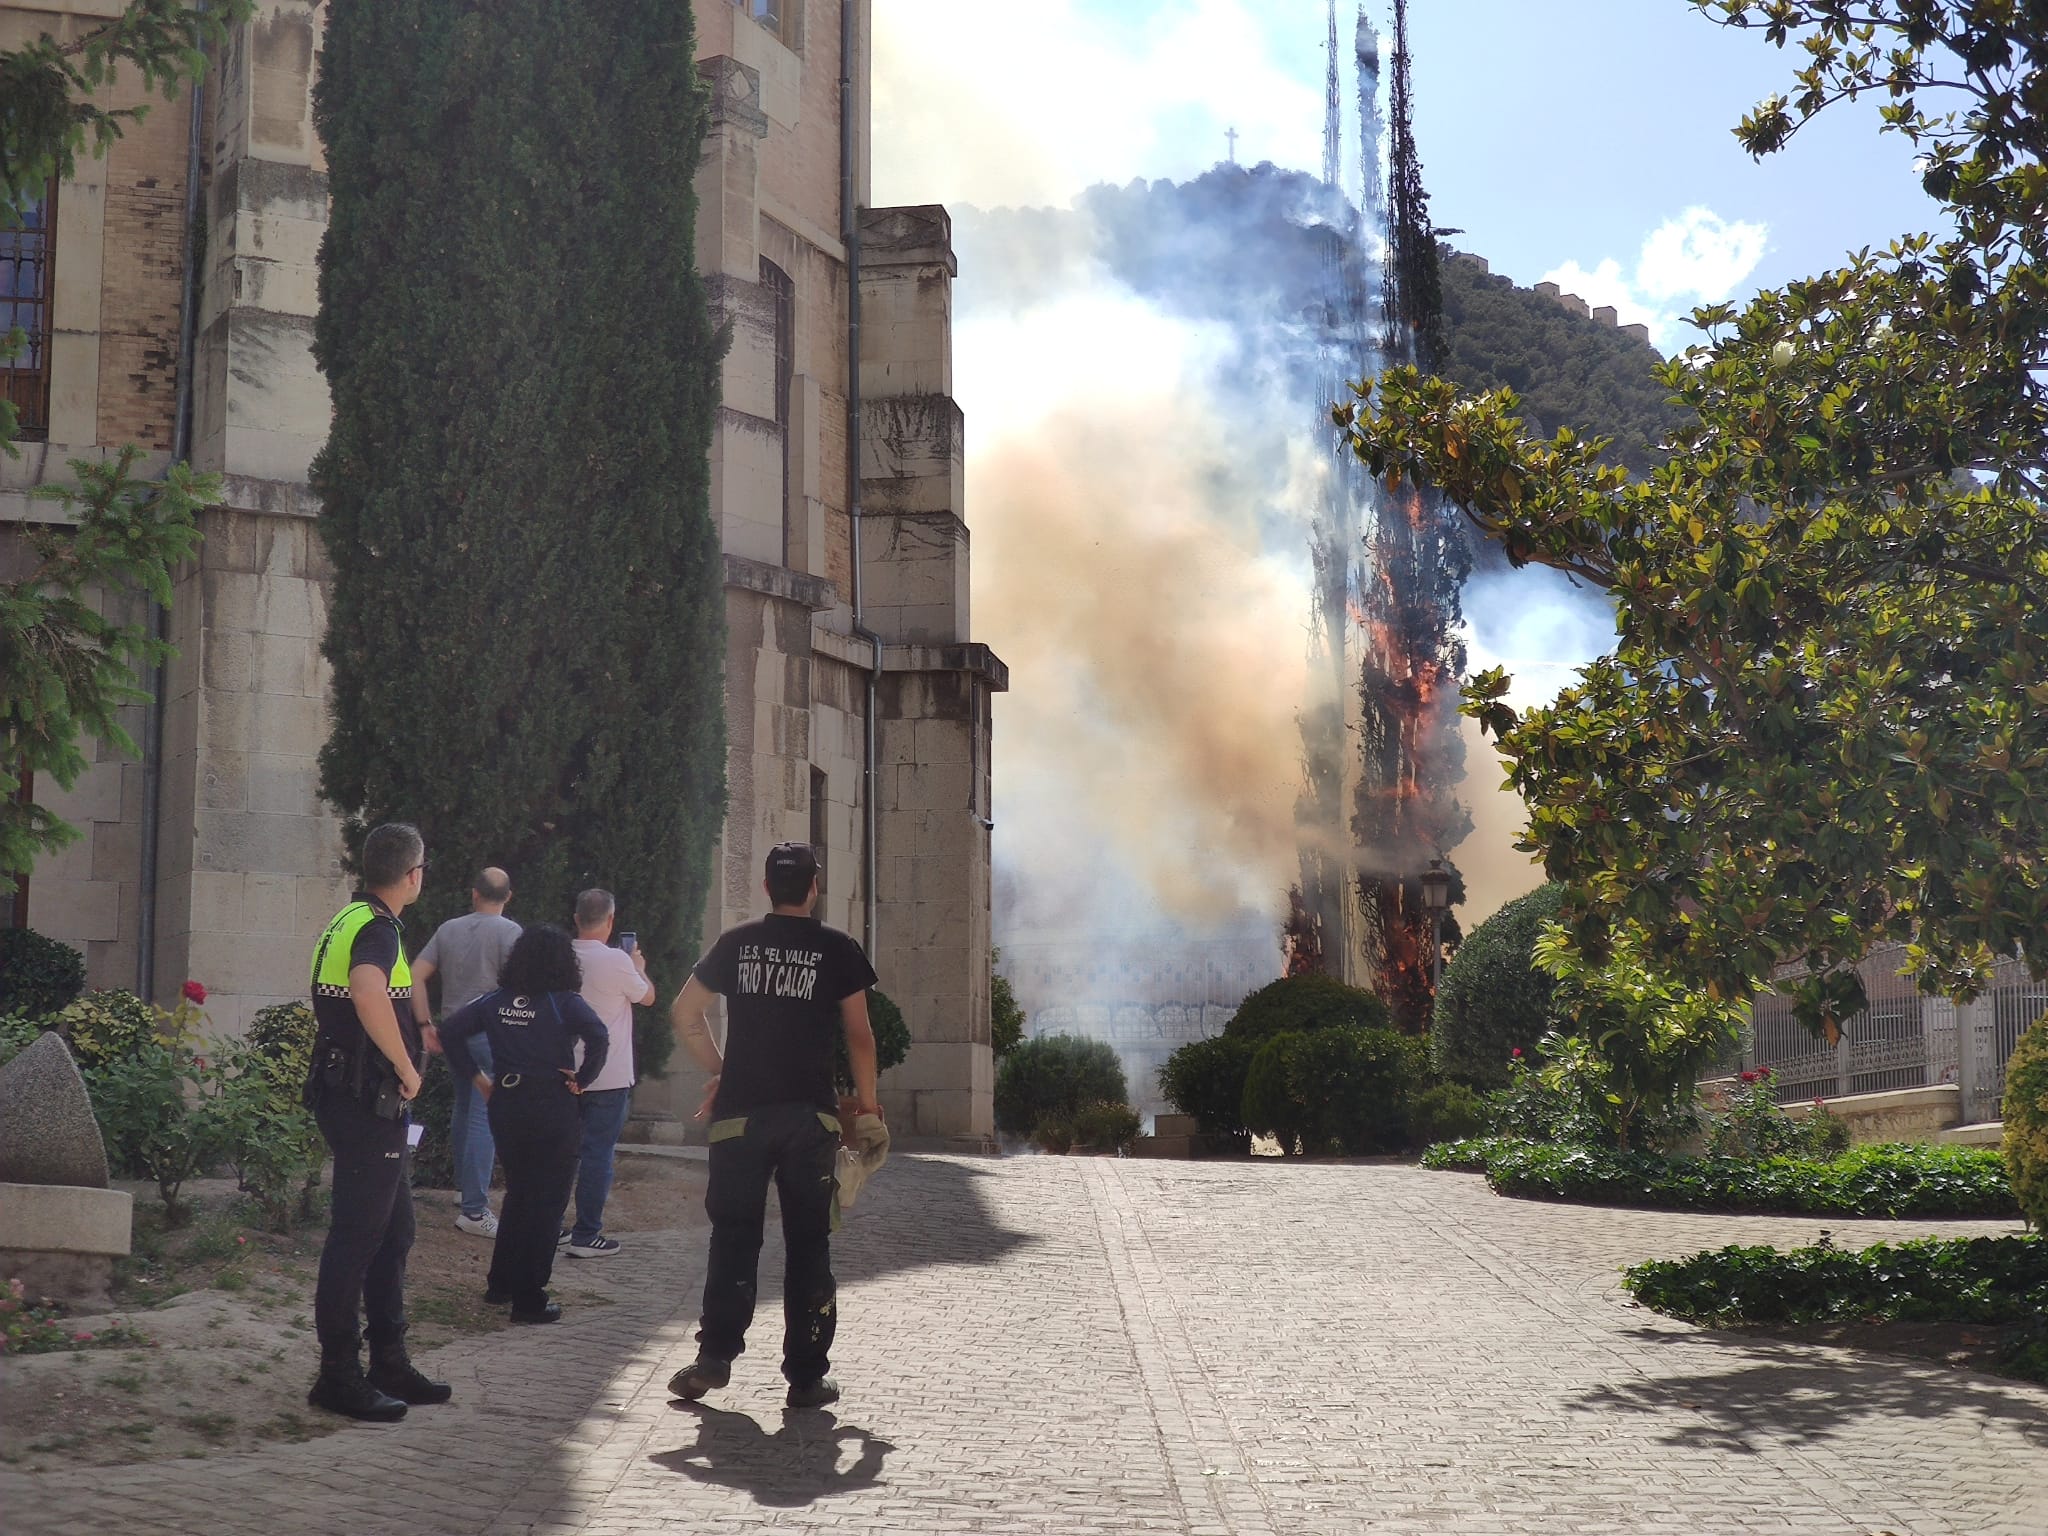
x=858, y=706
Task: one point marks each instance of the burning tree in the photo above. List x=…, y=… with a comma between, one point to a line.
x=1404, y=809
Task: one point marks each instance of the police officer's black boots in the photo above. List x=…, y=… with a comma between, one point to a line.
x=341, y=1387
x=392, y=1371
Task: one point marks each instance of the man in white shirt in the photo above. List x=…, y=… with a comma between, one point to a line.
x=613, y=981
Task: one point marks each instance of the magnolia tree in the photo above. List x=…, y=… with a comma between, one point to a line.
x=1825, y=721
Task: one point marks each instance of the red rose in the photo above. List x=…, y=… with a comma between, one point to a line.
x=1516, y=1053
x=1749, y=1077
x=195, y=992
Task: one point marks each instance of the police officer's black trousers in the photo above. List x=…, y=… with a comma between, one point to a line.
x=537, y=1129
x=369, y=1230
x=795, y=1148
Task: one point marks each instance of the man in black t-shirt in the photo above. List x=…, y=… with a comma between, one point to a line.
x=790, y=985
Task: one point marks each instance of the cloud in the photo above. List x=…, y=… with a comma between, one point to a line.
x=1696, y=258
x=1025, y=105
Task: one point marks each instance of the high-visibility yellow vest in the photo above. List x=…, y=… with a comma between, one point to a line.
x=338, y=942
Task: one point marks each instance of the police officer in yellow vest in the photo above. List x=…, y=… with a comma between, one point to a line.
x=365, y=1073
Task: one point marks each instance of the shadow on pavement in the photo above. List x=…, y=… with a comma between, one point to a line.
x=796, y=1465
x=919, y=1211
x=1776, y=1392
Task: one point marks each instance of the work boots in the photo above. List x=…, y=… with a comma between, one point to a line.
x=341, y=1387
x=392, y=1371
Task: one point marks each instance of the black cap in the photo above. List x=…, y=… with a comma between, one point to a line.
x=792, y=859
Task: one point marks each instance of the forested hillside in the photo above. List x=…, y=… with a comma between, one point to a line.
x=1569, y=370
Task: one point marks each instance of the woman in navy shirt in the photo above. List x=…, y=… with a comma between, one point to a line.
x=533, y=1022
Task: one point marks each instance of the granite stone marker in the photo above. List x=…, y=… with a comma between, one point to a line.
x=47, y=1131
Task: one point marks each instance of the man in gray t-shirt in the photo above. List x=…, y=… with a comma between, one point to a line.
x=467, y=953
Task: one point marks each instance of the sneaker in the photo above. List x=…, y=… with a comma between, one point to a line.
x=813, y=1394
x=344, y=1389
x=546, y=1312
x=704, y=1374
x=485, y=1225
x=562, y=1237
x=599, y=1247
x=397, y=1376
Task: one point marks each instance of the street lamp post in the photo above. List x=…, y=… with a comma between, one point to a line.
x=1436, y=900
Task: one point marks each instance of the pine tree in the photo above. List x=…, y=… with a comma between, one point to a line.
x=527, y=629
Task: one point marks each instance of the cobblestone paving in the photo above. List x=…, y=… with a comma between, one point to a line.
x=1069, y=1345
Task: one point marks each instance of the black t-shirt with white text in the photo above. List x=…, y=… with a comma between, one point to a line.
x=783, y=979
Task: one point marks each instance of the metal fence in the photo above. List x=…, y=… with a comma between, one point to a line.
x=1903, y=1039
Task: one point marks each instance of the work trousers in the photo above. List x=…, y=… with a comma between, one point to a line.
x=536, y=1126
x=794, y=1146
x=369, y=1230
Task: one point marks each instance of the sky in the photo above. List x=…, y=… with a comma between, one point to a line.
x=1586, y=142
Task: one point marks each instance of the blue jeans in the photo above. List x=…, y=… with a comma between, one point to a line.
x=469, y=1136
x=604, y=1119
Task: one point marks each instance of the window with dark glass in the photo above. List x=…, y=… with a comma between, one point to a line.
x=28, y=250
x=782, y=295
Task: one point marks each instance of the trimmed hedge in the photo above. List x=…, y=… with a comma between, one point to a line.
x=1472, y=1155
x=1888, y=1180
x=1303, y=1005
x=1978, y=1280
x=38, y=975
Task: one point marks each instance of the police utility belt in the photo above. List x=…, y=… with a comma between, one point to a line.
x=357, y=1074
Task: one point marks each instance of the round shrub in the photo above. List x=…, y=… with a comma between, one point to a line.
x=282, y=1035
x=1053, y=1077
x=2026, y=1124
x=1054, y=1135
x=1303, y=1005
x=892, y=1040
x=1205, y=1078
x=1493, y=999
x=38, y=975
x=105, y=1027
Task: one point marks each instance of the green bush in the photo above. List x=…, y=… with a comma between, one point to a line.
x=1005, y=1016
x=1053, y=1134
x=1303, y=1005
x=38, y=975
x=1106, y=1127
x=1270, y=1106
x=106, y=1027
x=1569, y=1096
x=1936, y=1280
x=17, y=1033
x=1493, y=997
x=271, y=1138
x=157, y=1120
x=433, y=1160
x=1052, y=1077
x=1888, y=1180
x=2026, y=1123
x=1472, y=1155
x=1447, y=1112
x=1755, y=1125
x=1338, y=1090
x=1205, y=1078
x=892, y=1040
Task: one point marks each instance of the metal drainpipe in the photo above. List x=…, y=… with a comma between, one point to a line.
x=849, y=235
x=181, y=449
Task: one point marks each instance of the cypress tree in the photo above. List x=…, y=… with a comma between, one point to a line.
x=527, y=624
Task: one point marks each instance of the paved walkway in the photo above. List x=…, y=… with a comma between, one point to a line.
x=1075, y=1346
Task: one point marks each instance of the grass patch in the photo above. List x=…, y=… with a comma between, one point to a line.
x=210, y=1427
